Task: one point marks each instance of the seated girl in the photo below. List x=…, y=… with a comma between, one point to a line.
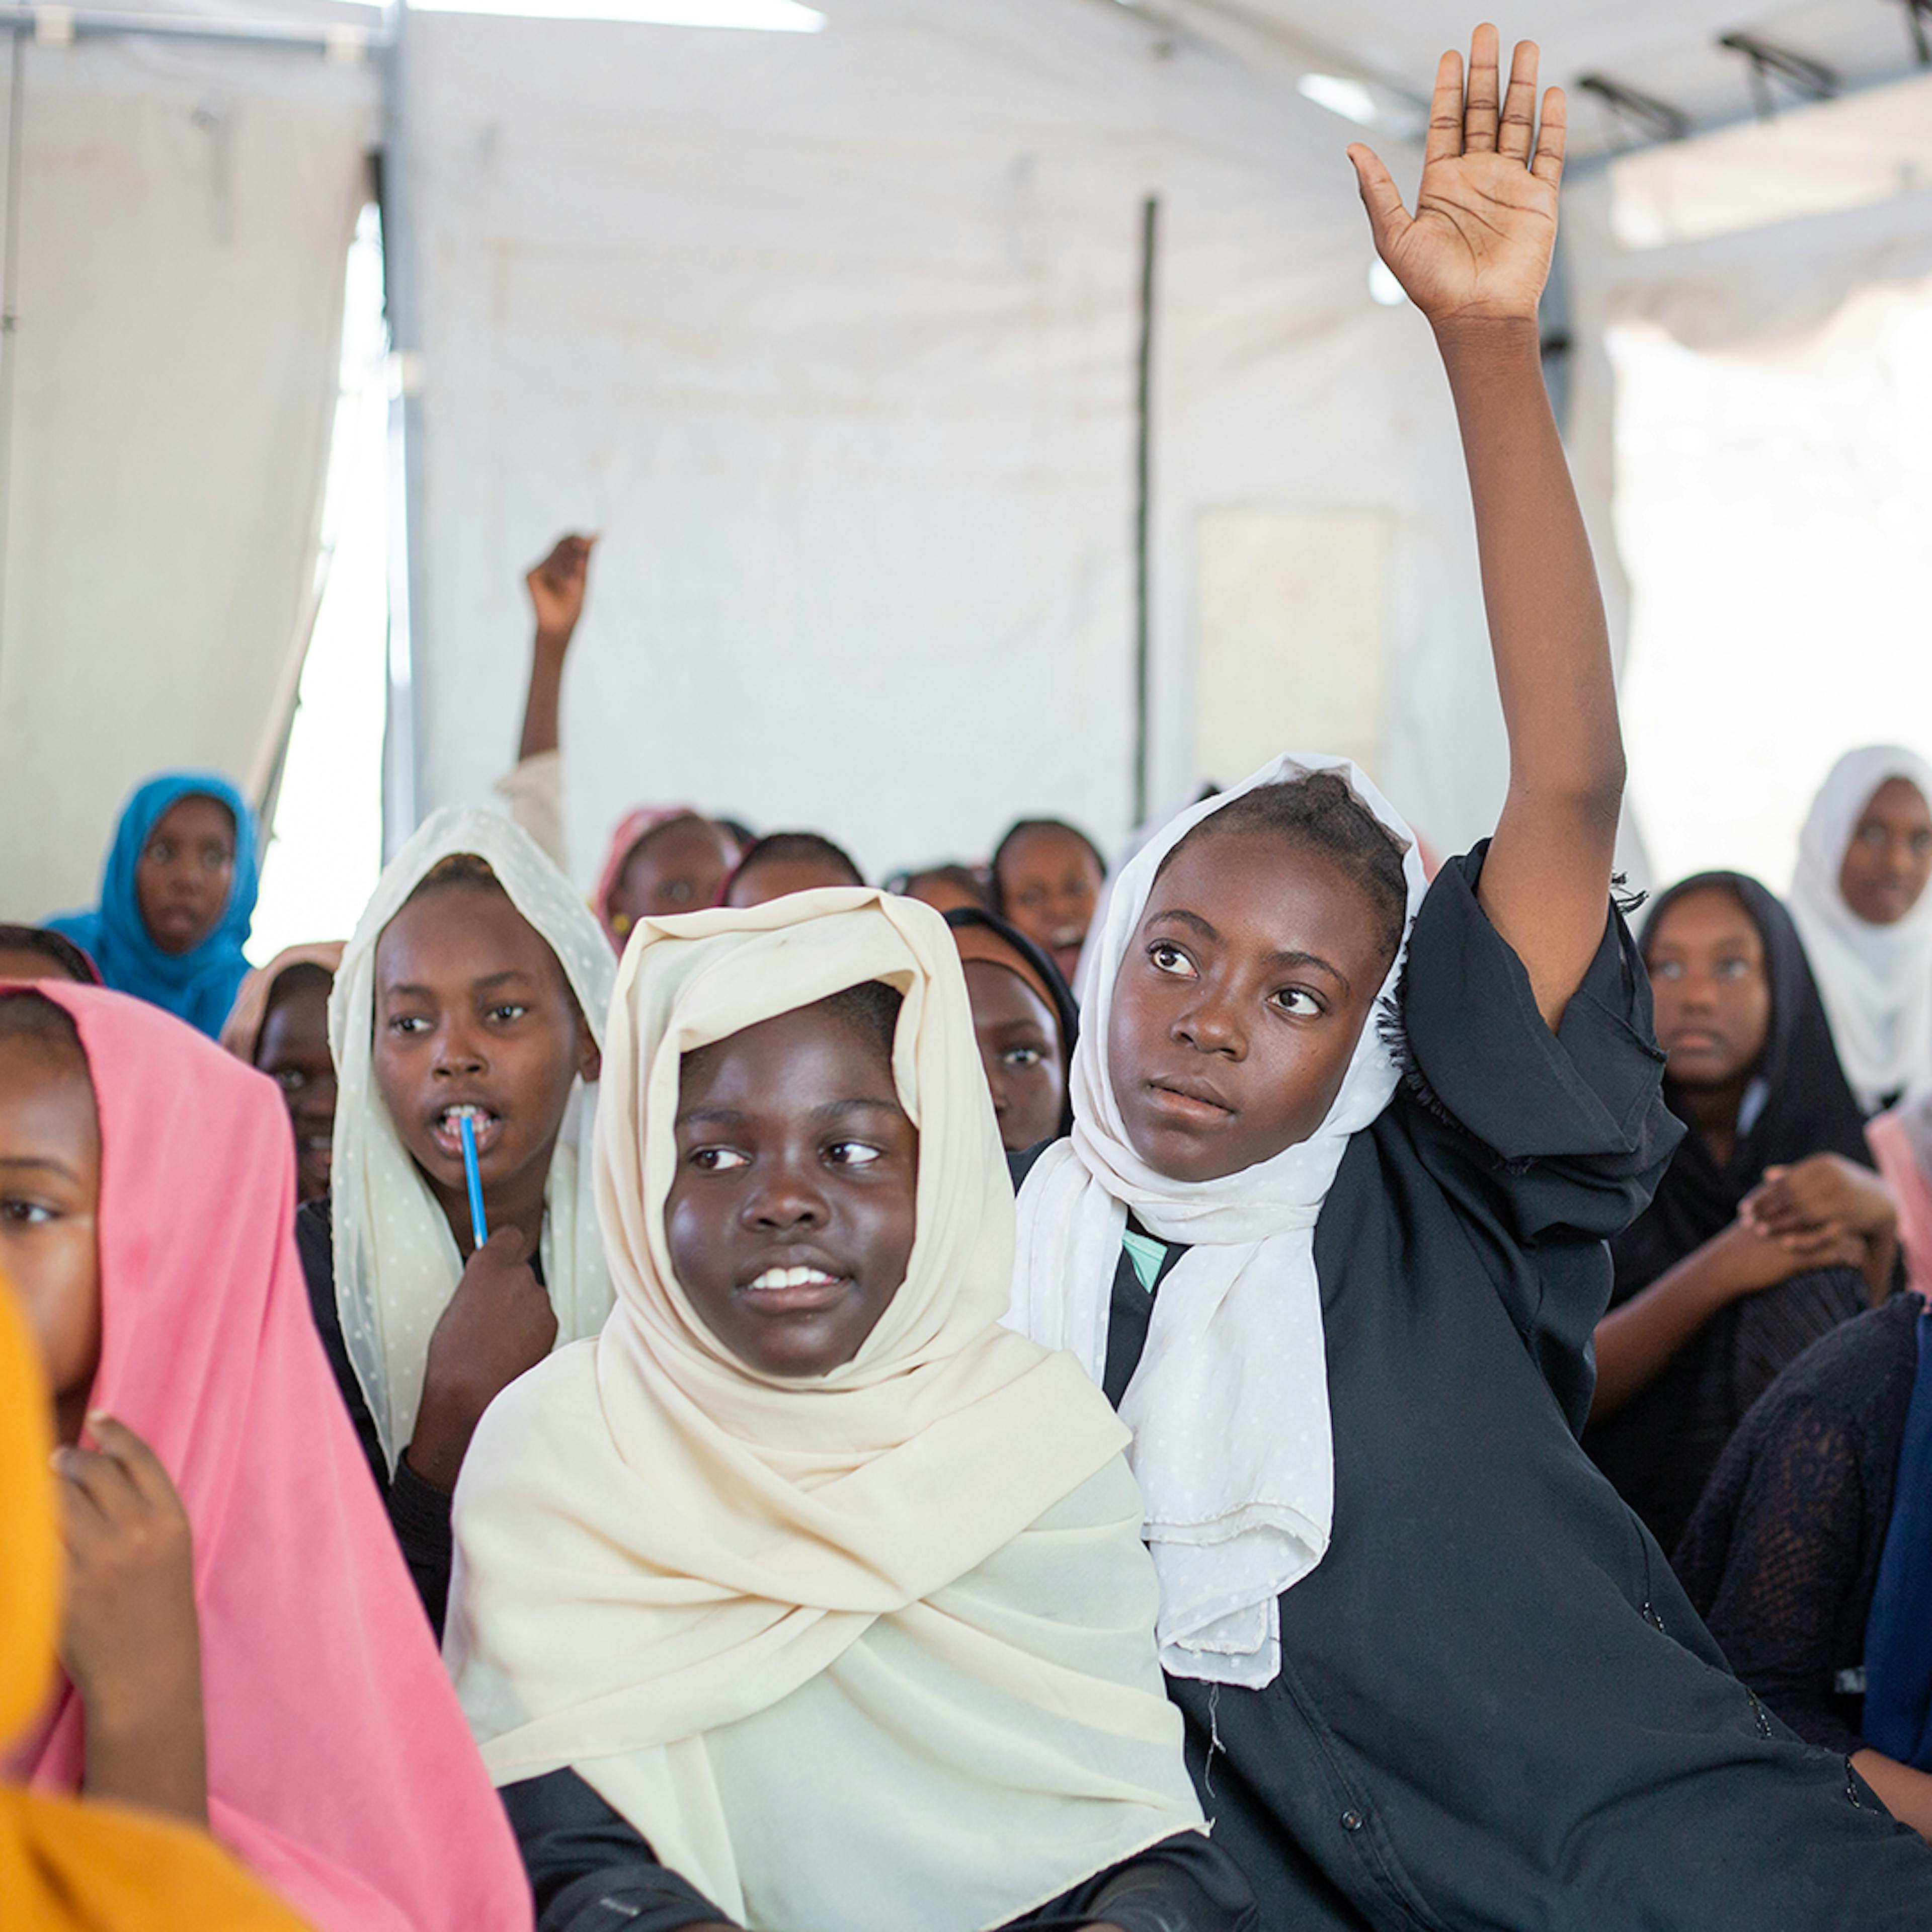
x=948, y=887
x=1025, y=1021
x=86, y=1864
x=177, y=897
x=279, y=1024
x=788, y=862
x=1047, y=877
x=663, y=860
x=1859, y=900
x=1769, y=1228
x=806, y=1595
x=242, y=1647
x=1369, y=1139
x=475, y=985
x=1808, y=1554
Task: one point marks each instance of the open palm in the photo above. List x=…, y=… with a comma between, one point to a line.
x=1479, y=243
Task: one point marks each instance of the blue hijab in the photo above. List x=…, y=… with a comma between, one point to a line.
x=1898, y=1718
x=198, y=986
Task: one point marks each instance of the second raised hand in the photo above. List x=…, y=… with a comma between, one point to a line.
x=1478, y=246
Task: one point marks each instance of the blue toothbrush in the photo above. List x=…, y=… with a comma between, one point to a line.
x=479, y=1228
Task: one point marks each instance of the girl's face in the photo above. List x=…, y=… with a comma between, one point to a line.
x=1019, y=1047
x=1707, y=981
x=474, y=1013
x=49, y=1196
x=185, y=872
x=293, y=1052
x=1049, y=885
x=680, y=867
x=1890, y=857
x=1239, y=1002
x=791, y=1220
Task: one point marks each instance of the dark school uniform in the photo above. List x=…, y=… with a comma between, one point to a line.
x=1782, y=1556
x=1660, y=1448
x=592, y=1871
x=418, y=1511
x=1496, y=1707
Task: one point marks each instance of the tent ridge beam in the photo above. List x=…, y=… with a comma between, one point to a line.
x=57, y=26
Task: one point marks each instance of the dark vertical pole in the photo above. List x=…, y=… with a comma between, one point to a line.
x=1143, y=450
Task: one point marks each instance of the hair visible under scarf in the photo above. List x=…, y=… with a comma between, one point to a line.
x=694, y=1582
x=985, y=935
x=198, y=985
x=50, y=944
x=396, y=1263
x=338, y=1767
x=1877, y=980
x=1239, y=1506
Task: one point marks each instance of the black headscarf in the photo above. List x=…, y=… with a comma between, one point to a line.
x=1066, y=1014
x=1659, y=1449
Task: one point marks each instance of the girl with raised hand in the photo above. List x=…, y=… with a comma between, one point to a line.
x=241, y=1646
x=177, y=898
x=475, y=984
x=1330, y=1229
x=807, y=1595
x=1859, y=899
x=1770, y=1226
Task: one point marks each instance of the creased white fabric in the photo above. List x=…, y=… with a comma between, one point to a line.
x=1229, y=1405
x=872, y=1649
x=1877, y=980
x=396, y=1264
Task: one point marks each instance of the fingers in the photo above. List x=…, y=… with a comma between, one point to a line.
x=1445, y=111
x=1479, y=110
x=142, y=1466
x=96, y=1487
x=1388, y=217
x=1518, y=128
x=1548, y=165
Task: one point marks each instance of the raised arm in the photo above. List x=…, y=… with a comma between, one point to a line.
x=1473, y=258
x=556, y=587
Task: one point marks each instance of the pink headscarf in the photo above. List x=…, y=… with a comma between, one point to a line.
x=340, y=1767
x=632, y=828
x=1901, y=1143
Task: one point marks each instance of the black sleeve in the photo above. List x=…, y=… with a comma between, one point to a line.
x=590, y=1869
x=1793, y=1562
x=1573, y=1120
x=418, y=1511
x=1186, y=1883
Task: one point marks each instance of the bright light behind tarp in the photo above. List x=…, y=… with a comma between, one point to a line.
x=775, y=16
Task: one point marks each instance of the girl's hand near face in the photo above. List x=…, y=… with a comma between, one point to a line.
x=499, y=1324
x=1823, y=1192
x=131, y=1641
x=1478, y=246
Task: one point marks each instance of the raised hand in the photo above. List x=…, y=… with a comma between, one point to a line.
x=131, y=1640
x=1478, y=245
x=499, y=1324
x=556, y=587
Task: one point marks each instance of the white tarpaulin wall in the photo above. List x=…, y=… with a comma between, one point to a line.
x=833, y=337
x=185, y=215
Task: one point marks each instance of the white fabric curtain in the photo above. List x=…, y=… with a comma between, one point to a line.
x=833, y=337
x=184, y=216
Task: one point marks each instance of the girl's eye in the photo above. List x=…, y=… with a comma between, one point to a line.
x=1022, y=1056
x=1298, y=1001
x=409, y=1023
x=1666, y=969
x=26, y=1213
x=852, y=1153
x=1168, y=958
x=161, y=852
x=716, y=1159
x=1731, y=969
x=292, y=1079
x=510, y=1010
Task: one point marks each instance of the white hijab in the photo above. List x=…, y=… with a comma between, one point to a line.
x=873, y=1649
x=396, y=1263
x=1877, y=980
x=1229, y=1405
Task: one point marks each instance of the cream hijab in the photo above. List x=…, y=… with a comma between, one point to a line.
x=1877, y=980
x=872, y=1650
x=1229, y=1406
x=396, y=1264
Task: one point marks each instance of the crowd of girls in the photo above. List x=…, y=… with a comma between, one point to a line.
x=1410, y=1407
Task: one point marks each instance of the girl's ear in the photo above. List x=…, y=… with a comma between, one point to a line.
x=590, y=1055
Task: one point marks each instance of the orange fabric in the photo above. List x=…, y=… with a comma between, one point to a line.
x=68, y=1864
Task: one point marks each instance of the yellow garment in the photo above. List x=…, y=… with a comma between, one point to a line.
x=873, y=1650
x=70, y=1865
